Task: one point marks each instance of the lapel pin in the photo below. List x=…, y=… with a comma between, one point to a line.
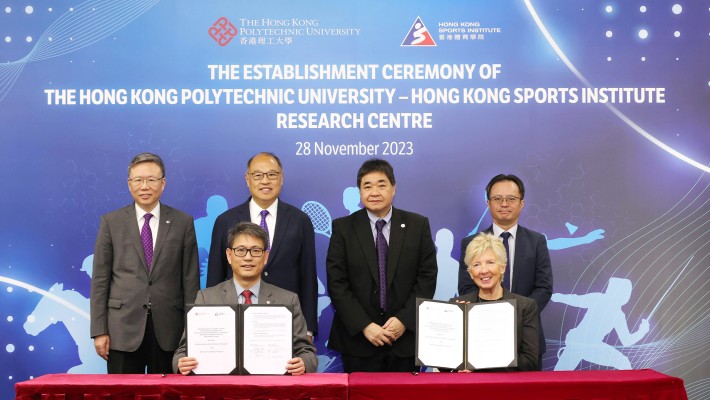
x=402, y=225
x=167, y=221
x=268, y=302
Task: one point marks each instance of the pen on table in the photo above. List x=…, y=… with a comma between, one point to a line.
x=163, y=375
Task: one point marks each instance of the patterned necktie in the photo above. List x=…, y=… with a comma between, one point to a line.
x=381, y=246
x=147, y=240
x=247, y=296
x=264, y=213
x=506, y=276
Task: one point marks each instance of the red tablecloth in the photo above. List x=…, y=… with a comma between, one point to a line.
x=153, y=387
x=581, y=385
x=578, y=385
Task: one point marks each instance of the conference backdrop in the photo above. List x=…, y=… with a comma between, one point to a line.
x=601, y=107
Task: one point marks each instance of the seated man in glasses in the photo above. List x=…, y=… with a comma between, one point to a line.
x=528, y=271
x=247, y=253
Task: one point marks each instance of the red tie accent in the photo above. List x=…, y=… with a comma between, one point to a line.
x=247, y=296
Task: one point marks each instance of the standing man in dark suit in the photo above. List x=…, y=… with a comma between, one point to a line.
x=529, y=272
x=380, y=259
x=292, y=248
x=247, y=255
x=145, y=271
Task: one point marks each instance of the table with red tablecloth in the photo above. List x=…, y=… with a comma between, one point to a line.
x=579, y=385
x=178, y=387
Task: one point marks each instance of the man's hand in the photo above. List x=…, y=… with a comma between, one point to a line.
x=101, y=344
x=377, y=335
x=186, y=365
x=310, y=339
x=296, y=366
x=394, y=326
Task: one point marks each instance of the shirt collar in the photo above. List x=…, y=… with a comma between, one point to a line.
x=140, y=213
x=254, y=289
x=374, y=218
x=497, y=230
x=255, y=210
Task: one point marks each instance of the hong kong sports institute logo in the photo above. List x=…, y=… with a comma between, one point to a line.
x=223, y=31
x=418, y=35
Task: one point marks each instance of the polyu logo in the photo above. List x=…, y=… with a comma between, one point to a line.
x=223, y=31
x=418, y=35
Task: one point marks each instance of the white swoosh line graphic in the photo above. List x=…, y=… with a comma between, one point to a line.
x=46, y=294
x=613, y=109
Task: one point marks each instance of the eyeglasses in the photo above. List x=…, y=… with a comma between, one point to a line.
x=242, y=252
x=271, y=175
x=138, y=182
x=512, y=200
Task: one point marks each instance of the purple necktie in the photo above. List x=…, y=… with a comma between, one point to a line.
x=147, y=240
x=506, y=276
x=247, y=296
x=264, y=213
x=381, y=246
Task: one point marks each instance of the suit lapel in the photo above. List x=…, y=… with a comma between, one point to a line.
x=266, y=294
x=363, y=231
x=229, y=293
x=398, y=229
x=163, y=230
x=282, y=220
x=134, y=235
x=519, y=256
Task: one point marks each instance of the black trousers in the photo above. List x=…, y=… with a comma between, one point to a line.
x=149, y=356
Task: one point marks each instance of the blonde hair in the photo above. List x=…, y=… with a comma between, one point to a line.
x=483, y=242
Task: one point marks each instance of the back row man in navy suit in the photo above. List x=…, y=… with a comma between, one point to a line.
x=528, y=257
x=292, y=250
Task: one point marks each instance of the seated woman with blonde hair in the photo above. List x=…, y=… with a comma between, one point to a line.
x=486, y=261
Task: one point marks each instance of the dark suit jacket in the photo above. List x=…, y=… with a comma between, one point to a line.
x=532, y=270
x=121, y=286
x=292, y=259
x=226, y=293
x=526, y=326
x=353, y=279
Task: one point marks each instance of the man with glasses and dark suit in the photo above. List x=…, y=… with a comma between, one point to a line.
x=529, y=271
x=292, y=251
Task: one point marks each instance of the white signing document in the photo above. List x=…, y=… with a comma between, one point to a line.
x=491, y=335
x=212, y=339
x=268, y=339
x=440, y=336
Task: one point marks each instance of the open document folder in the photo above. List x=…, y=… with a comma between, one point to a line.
x=466, y=336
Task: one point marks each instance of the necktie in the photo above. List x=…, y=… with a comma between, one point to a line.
x=381, y=246
x=147, y=240
x=506, y=276
x=264, y=213
x=247, y=296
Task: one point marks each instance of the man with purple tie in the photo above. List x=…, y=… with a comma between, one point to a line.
x=380, y=259
x=145, y=270
x=292, y=244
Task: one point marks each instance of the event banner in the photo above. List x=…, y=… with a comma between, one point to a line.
x=599, y=106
